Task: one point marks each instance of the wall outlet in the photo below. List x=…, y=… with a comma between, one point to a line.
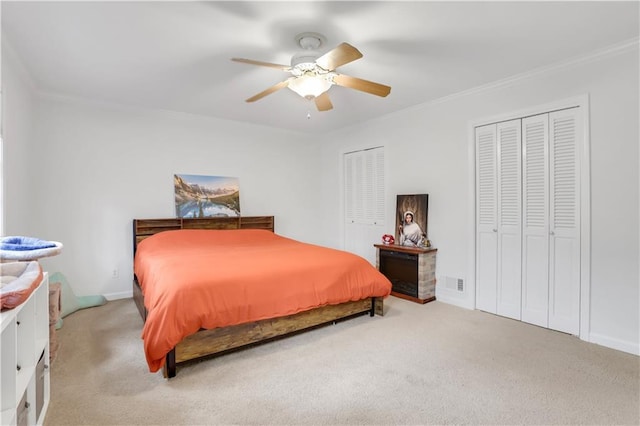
x=115, y=273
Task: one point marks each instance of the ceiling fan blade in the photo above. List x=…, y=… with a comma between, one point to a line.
x=323, y=103
x=362, y=85
x=262, y=64
x=269, y=91
x=343, y=54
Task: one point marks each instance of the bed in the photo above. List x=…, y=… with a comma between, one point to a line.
x=208, y=286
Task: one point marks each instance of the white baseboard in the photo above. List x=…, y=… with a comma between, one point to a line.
x=453, y=297
x=119, y=295
x=459, y=299
x=609, y=342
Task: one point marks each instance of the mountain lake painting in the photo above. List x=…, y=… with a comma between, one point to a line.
x=206, y=196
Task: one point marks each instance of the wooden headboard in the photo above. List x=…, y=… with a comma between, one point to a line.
x=143, y=228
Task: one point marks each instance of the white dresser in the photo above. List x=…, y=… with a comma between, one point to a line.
x=24, y=360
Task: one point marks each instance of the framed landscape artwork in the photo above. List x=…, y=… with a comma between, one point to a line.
x=412, y=212
x=206, y=196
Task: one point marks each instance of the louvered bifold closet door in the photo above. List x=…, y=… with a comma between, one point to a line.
x=486, y=219
x=350, y=197
x=378, y=198
x=535, y=226
x=364, y=205
x=564, y=234
x=509, y=279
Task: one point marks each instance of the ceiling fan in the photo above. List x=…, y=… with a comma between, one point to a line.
x=313, y=74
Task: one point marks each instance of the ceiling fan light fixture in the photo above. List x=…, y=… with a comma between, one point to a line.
x=310, y=86
x=313, y=73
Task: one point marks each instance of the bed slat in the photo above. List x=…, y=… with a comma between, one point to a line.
x=257, y=222
x=220, y=223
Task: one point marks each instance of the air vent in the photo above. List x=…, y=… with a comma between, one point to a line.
x=452, y=283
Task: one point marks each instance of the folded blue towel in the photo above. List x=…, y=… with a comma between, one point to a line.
x=24, y=244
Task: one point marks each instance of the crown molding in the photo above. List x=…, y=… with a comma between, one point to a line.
x=607, y=52
x=621, y=48
x=8, y=52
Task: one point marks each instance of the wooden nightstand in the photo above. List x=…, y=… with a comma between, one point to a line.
x=411, y=270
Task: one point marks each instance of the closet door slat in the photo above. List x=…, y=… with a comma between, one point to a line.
x=487, y=219
x=564, y=238
x=535, y=230
x=509, y=282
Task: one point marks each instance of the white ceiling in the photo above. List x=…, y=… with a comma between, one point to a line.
x=176, y=55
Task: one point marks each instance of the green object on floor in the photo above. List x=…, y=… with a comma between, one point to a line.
x=69, y=301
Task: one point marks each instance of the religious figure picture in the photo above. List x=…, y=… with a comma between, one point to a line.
x=411, y=220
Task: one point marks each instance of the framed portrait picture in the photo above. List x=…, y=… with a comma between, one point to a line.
x=412, y=212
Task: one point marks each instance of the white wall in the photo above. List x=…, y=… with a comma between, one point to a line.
x=101, y=167
x=17, y=123
x=428, y=151
x=79, y=172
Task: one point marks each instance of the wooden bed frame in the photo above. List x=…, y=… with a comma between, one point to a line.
x=207, y=343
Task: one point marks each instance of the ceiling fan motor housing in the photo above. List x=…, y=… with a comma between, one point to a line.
x=305, y=61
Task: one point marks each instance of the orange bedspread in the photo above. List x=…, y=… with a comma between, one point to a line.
x=193, y=279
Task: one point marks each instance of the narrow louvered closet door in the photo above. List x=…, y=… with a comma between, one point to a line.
x=486, y=218
x=350, y=192
x=378, y=191
x=364, y=206
x=564, y=218
x=509, y=279
x=535, y=227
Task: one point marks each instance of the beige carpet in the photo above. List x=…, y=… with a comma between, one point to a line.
x=419, y=364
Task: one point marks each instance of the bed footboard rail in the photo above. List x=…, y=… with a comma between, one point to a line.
x=218, y=341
